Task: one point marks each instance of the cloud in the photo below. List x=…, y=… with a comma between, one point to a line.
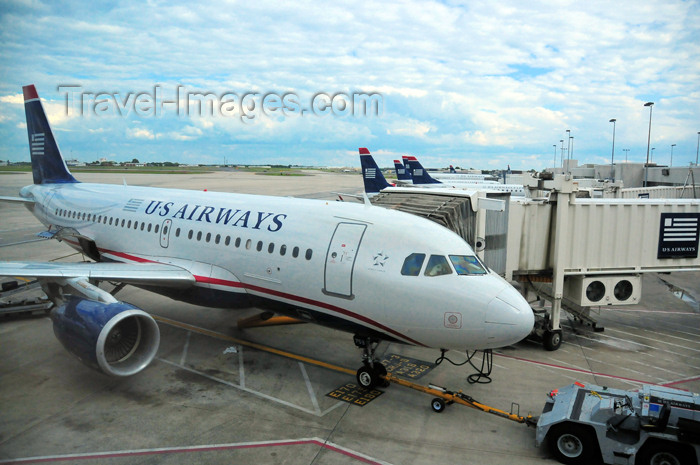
x=139, y=133
x=17, y=99
x=456, y=79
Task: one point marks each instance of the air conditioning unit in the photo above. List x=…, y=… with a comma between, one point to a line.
x=589, y=291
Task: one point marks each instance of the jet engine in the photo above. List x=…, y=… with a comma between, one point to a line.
x=117, y=338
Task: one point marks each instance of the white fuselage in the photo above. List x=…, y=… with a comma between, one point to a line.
x=337, y=264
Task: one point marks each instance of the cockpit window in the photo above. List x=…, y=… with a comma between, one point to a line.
x=467, y=264
x=412, y=264
x=437, y=266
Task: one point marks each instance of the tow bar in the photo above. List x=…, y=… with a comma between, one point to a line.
x=445, y=397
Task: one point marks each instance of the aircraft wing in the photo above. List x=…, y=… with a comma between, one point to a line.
x=4, y=198
x=156, y=274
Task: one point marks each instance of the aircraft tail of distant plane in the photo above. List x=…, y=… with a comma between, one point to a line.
x=48, y=166
x=371, y=174
x=402, y=173
x=420, y=175
x=452, y=169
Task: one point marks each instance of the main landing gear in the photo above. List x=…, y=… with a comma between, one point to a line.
x=371, y=373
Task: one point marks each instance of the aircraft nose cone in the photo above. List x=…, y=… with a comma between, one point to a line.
x=510, y=313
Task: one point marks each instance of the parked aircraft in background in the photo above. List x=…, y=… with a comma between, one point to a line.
x=421, y=177
x=331, y=263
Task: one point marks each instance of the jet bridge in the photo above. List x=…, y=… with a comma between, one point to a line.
x=575, y=253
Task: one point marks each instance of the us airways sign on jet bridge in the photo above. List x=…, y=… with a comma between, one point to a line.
x=216, y=215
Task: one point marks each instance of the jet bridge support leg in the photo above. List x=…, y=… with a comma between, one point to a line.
x=562, y=244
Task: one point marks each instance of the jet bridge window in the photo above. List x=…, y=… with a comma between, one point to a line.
x=467, y=264
x=412, y=264
x=437, y=266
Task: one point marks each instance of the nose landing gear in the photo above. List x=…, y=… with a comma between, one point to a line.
x=371, y=373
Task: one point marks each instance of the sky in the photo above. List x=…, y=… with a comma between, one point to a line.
x=475, y=84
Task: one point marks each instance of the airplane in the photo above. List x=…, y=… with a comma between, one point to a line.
x=336, y=264
x=420, y=176
x=453, y=174
x=375, y=182
x=402, y=173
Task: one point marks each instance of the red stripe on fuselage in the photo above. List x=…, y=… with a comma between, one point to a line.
x=283, y=295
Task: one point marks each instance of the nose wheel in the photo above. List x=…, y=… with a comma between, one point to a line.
x=371, y=373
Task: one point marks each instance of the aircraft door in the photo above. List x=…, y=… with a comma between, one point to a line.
x=165, y=233
x=340, y=259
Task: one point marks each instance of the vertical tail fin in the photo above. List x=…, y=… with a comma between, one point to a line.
x=420, y=175
x=409, y=168
x=48, y=166
x=371, y=174
x=401, y=171
x=452, y=169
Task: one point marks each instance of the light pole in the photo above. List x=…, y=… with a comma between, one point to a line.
x=671, y=164
x=627, y=151
x=571, y=138
x=612, y=159
x=646, y=167
x=562, y=155
x=568, y=149
x=697, y=150
x=554, y=166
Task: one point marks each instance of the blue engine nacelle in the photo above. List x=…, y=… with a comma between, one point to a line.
x=117, y=339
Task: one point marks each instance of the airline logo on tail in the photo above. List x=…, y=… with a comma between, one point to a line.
x=37, y=144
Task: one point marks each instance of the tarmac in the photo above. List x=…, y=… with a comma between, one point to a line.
x=209, y=397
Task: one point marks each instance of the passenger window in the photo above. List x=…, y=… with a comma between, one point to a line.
x=259, y=246
x=228, y=240
x=156, y=229
x=208, y=237
x=467, y=264
x=308, y=254
x=177, y=232
x=123, y=222
x=295, y=252
x=199, y=235
x=283, y=249
x=217, y=239
x=412, y=264
x=128, y=225
x=248, y=243
x=149, y=227
x=437, y=266
x=238, y=242
x=271, y=248
x=190, y=234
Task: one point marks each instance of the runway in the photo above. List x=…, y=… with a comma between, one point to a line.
x=214, y=395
